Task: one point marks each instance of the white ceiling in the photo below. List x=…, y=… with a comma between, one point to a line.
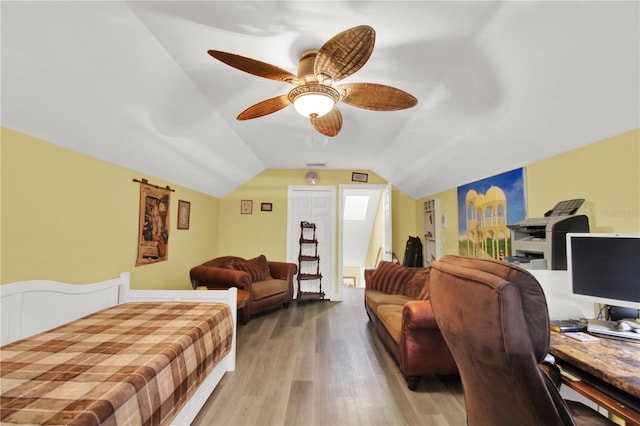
x=499, y=85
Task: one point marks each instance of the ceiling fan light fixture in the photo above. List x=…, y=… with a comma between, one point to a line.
x=314, y=100
x=314, y=95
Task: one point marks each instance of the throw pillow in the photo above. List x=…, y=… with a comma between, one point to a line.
x=418, y=286
x=257, y=268
x=390, y=278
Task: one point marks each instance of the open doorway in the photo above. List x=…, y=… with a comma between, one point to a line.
x=364, y=230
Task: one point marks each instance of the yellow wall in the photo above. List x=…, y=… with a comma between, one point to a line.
x=404, y=218
x=70, y=217
x=265, y=232
x=606, y=174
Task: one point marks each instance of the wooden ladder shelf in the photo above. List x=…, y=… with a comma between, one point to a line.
x=309, y=263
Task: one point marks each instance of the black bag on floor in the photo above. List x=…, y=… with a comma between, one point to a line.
x=413, y=253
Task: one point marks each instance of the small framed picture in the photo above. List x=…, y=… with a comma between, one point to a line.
x=266, y=207
x=359, y=177
x=246, y=206
x=184, y=213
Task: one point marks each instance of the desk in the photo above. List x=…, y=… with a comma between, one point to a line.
x=607, y=372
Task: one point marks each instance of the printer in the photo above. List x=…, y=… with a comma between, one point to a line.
x=540, y=243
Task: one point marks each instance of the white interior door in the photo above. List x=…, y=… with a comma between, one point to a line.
x=317, y=205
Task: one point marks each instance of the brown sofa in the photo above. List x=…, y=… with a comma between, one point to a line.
x=397, y=303
x=269, y=283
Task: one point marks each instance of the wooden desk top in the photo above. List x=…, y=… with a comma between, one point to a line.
x=613, y=361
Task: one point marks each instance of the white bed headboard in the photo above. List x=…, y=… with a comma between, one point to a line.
x=29, y=307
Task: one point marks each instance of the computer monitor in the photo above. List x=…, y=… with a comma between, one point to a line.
x=605, y=268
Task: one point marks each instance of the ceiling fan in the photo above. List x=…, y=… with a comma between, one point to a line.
x=314, y=94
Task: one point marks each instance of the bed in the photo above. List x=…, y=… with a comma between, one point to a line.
x=102, y=353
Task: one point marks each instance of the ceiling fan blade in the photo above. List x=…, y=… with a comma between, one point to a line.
x=265, y=107
x=255, y=67
x=376, y=97
x=345, y=53
x=329, y=124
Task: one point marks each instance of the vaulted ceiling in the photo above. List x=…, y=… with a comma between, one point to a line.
x=499, y=85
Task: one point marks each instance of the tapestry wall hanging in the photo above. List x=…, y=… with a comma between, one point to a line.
x=153, y=228
x=486, y=208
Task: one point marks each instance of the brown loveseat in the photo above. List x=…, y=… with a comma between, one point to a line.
x=269, y=283
x=397, y=302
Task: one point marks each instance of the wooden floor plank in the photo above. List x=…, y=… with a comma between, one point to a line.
x=321, y=363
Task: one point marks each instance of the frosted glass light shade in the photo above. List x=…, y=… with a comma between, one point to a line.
x=314, y=100
x=312, y=103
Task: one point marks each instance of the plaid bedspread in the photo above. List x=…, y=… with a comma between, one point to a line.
x=135, y=363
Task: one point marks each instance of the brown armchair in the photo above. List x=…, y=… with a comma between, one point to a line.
x=494, y=318
x=268, y=283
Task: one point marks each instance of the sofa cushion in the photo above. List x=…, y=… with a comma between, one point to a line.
x=257, y=268
x=391, y=317
x=390, y=278
x=418, y=286
x=266, y=288
x=376, y=298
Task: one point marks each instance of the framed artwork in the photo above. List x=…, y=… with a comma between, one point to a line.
x=184, y=212
x=153, y=229
x=266, y=207
x=359, y=177
x=486, y=208
x=246, y=206
x=349, y=281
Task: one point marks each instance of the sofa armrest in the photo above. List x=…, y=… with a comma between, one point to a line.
x=219, y=277
x=422, y=347
x=417, y=314
x=283, y=270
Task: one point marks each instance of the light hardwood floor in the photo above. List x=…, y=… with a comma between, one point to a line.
x=320, y=363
